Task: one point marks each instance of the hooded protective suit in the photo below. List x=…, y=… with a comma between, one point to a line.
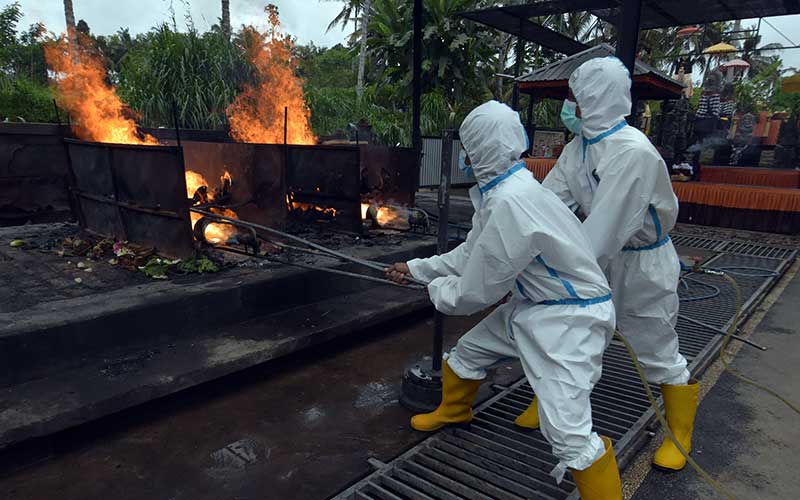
x=617, y=178
x=560, y=318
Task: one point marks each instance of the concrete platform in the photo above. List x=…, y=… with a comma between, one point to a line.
x=83, y=352
x=301, y=428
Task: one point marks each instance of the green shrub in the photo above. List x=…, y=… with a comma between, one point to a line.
x=22, y=98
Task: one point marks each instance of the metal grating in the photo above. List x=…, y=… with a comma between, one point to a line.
x=734, y=247
x=431, y=165
x=492, y=459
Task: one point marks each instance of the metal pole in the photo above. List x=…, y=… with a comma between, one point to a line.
x=443, y=234
x=518, y=68
x=628, y=23
x=416, y=132
x=530, y=124
x=175, y=122
x=58, y=116
x=285, y=124
x=630, y=14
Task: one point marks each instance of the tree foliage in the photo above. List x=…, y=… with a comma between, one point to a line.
x=24, y=94
x=202, y=73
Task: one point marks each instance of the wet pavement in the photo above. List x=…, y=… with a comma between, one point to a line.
x=745, y=438
x=300, y=428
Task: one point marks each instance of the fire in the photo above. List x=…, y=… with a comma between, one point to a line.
x=309, y=207
x=214, y=233
x=385, y=215
x=391, y=216
x=80, y=87
x=257, y=113
x=195, y=181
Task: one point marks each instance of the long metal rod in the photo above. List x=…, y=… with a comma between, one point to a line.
x=297, y=239
x=319, y=268
x=378, y=266
x=720, y=331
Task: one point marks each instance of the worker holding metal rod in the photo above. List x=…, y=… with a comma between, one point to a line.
x=560, y=317
x=614, y=175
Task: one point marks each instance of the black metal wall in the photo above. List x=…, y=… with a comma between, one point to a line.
x=33, y=174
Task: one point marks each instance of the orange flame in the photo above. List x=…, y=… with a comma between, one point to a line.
x=257, y=113
x=309, y=207
x=81, y=88
x=385, y=215
x=390, y=216
x=214, y=233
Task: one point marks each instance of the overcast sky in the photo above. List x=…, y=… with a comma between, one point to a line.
x=305, y=19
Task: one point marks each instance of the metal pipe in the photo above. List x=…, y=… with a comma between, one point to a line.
x=374, y=264
x=175, y=122
x=518, y=68
x=416, y=132
x=319, y=268
x=281, y=234
x=720, y=331
x=443, y=239
x=628, y=24
x=58, y=116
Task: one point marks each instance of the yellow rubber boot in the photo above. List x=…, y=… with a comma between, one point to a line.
x=456, y=407
x=601, y=480
x=680, y=405
x=529, y=419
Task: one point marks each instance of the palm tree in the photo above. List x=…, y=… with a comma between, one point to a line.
x=72, y=32
x=350, y=11
x=362, y=55
x=226, y=18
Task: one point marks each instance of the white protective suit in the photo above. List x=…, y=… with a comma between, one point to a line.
x=618, y=179
x=560, y=318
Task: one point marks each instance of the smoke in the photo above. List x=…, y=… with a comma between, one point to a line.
x=710, y=142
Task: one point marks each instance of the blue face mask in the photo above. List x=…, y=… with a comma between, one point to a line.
x=569, y=118
x=462, y=164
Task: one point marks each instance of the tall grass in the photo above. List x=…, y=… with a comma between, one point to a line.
x=200, y=73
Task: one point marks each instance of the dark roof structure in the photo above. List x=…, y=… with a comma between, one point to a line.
x=503, y=19
x=655, y=14
x=552, y=80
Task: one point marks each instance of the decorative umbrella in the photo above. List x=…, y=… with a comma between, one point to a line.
x=689, y=31
x=736, y=63
x=791, y=84
x=720, y=49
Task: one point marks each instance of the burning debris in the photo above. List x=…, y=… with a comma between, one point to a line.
x=274, y=169
x=199, y=196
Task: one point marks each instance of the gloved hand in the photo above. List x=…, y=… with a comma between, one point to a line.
x=397, y=272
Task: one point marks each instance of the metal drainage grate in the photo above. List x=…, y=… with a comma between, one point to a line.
x=733, y=247
x=492, y=459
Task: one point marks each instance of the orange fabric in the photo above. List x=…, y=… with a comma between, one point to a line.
x=540, y=167
x=774, y=131
x=750, y=176
x=734, y=196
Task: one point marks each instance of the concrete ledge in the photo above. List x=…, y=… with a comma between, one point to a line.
x=107, y=385
x=63, y=334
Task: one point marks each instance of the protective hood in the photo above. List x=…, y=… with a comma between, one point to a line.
x=494, y=139
x=602, y=88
